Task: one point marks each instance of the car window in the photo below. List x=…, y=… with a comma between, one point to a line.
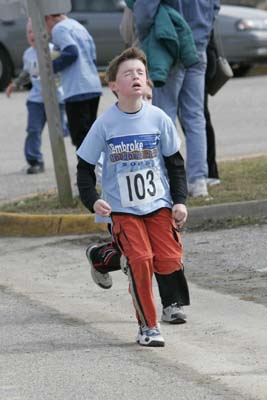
x=97, y=5
x=247, y=3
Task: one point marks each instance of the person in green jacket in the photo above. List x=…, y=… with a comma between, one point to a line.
x=183, y=90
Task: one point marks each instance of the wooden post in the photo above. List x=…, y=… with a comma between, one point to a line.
x=51, y=104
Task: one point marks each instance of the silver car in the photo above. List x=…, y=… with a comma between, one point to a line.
x=100, y=17
x=243, y=34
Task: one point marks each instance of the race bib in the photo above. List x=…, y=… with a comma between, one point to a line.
x=140, y=187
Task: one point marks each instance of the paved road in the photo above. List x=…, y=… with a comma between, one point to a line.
x=62, y=337
x=238, y=111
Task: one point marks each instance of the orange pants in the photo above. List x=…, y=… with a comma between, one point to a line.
x=151, y=244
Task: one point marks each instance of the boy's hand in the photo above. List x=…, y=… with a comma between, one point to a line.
x=10, y=89
x=102, y=208
x=179, y=213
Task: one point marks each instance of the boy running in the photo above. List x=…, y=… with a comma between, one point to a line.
x=144, y=185
x=106, y=258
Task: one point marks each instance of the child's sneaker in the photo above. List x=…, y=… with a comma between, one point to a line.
x=103, y=280
x=36, y=168
x=150, y=337
x=174, y=314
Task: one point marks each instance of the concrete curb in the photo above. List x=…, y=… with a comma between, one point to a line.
x=48, y=225
x=29, y=225
x=219, y=212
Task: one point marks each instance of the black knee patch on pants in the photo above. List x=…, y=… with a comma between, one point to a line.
x=173, y=288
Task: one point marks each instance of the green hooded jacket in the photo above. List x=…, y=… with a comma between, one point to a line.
x=169, y=41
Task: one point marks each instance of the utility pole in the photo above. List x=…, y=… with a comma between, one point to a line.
x=35, y=11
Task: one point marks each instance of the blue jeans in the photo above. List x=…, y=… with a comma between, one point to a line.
x=35, y=125
x=183, y=93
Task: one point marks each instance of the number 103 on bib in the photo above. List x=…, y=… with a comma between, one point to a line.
x=140, y=187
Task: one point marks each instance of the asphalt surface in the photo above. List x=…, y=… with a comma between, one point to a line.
x=62, y=337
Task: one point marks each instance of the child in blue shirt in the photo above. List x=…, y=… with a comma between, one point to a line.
x=35, y=104
x=144, y=185
x=77, y=65
x=106, y=258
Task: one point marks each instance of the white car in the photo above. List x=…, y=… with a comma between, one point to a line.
x=100, y=17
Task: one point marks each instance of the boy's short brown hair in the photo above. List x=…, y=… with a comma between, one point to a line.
x=133, y=53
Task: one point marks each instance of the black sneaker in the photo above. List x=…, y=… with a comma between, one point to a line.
x=104, y=280
x=36, y=168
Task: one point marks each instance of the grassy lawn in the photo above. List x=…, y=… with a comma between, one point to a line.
x=241, y=180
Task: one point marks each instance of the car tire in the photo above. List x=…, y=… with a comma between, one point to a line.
x=6, y=69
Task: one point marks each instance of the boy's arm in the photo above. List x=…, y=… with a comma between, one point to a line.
x=86, y=181
x=177, y=178
x=178, y=187
x=67, y=57
x=21, y=80
x=63, y=41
